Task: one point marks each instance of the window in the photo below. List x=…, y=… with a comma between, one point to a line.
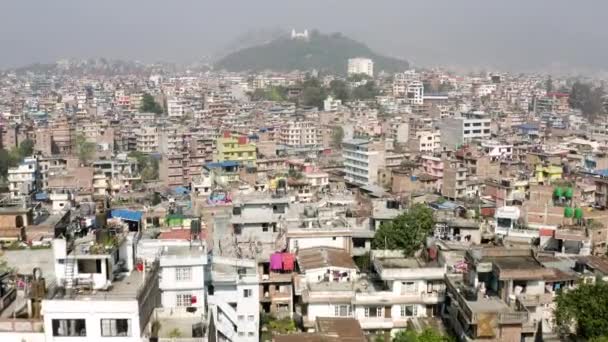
x=408, y=310
x=69, y=327
x=241, y=333
x=247, y=293
x=183, y=273
x=264, y=227
x=115, y=327
x=250, y=334
x=373, y=311
x=342, y=310
x=241, y=317
x=251, y=318
x=408, y=287
x=183, y=300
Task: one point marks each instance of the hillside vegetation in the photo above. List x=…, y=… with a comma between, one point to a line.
x=322, y=52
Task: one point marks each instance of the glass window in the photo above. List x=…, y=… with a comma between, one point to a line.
x=115, y=327
x=69, y=327
x=183, y=273
x=247, y=293
x=408, y=310
x=373, y=311
x=183, y=300
x=342, y=310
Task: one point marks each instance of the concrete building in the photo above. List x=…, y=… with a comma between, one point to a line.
x=454, y=183
x=299, y=134
x=360, y=66
x=147, y=139
x=415, y=93
x=176, y=108
x=236, y=149
x=331, y=105
x=95, y=276
x=468, y=127
x=24, y=179
x=362, y=160
x=234, y=300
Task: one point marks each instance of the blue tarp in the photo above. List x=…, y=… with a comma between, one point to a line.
x=227, y=163
x=180, y=190
x=127, y=215
x=41, y=196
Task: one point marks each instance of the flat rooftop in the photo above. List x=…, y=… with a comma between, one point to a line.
x=126, y=287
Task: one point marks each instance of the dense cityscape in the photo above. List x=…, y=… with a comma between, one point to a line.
x=334, y=198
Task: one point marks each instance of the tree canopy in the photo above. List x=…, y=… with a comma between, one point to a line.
x=148, y=166
x=427, y=335
x=149, y=105
x=274, y=93
x=85, y=150
x=587, y=98
x=584, y=311
x=13, y=157
x=406, y=232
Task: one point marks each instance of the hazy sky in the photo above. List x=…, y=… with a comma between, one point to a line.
x=501, y=33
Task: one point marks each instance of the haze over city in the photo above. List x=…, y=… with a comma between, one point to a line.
x=520, y=34
x=303, y=171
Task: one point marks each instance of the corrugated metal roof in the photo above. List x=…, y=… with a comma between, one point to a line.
x=127, y=215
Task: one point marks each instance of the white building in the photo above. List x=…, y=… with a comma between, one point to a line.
x=147, y=139
x=300, y=133
x=176, y=108
x=23, y=180
x=415, y=93
x=362, y=159
x=99, y=293
x=360, y=66
x=331, y=105
x=428, y=141
x=234, y=300
x=468, y=127
x=497, y=150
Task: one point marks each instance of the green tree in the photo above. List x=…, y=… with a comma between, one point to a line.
x=365, y=92
x=149, y=105
x=588, y=99
x=148, y=166
x=85, y=150
x=26, y=148
x=407, y=231
x=337, y=136
x=313, y=95
x=339, y=89
x=427, y=335
x=583, y=311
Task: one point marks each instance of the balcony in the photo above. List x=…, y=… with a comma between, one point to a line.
x=529, y=300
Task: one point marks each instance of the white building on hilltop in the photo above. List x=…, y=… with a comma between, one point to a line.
x=361, y=66
x=299, y=35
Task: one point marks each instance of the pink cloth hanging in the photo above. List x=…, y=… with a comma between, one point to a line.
x=276, y=262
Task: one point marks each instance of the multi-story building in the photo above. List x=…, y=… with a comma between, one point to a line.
x=24, y=179
x=236, y=149
x=176, y=108
x=234, y=300
x=362, y=160
x=415, y=93
x=428, y=141
x=360, y=66
x=100, y=275
x=300, y=134
x=454, y=182
x=147, y=139
x=468, y=127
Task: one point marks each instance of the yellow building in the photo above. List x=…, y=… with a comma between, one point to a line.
x=236, y=149
x=548, y=173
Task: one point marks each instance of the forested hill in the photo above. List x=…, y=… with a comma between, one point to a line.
x=321, y=52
